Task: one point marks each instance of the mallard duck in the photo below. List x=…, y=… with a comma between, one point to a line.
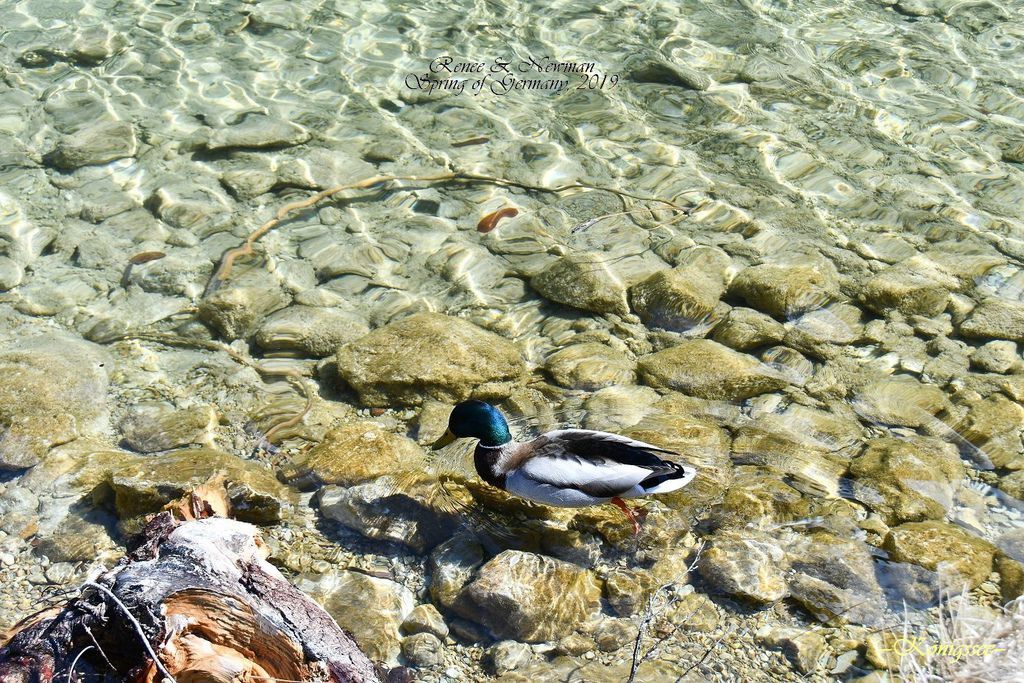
x=565, y=467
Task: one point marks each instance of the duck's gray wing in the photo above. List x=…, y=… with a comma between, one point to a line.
x=596, y=463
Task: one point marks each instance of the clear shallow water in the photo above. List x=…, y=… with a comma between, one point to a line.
x=853, y=137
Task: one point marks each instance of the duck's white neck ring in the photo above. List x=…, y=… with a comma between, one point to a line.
x=491, y=448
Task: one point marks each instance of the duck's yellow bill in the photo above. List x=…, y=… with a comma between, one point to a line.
x=444, y=440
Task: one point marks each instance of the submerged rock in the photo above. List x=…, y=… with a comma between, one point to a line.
x=995, y=318
x=423, y=649
x=191, y=206
x=425, y=619
x=11, y=273
x=153, y=427
x=908, y=583
x=590, y=366
x=530, y=597
x=803, y=648
x=508, y=655
x=451, y=566
x=818, y=332
x=54, y=390
x=257, y=132
x=769, y=443
x=97, y=143
x=1010, y=564
x=616, y=407
x=706, y=369
x=355, y=453
x=427, y=355
x=582, y=282
x=678, y=299
x=81, y=536
x=745, y=329
x=368, y=607
x=756, y=497
x=901, y=401
x=913, y=287
x=237, y=309
x=316, y=332
x=947, y=549
x=690, y=611
x=651, y=69
x=141, y=485
x=701, y=444
x=996, y=356
x=402, y=509
x=628, y=591
x=994, y=426
x=745, y=564
x=785, y=291
x=907, y=481
x=834, y=579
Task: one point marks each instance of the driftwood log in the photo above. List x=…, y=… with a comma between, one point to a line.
x=192, y=601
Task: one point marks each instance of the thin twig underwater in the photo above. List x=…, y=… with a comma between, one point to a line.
x=223, y=271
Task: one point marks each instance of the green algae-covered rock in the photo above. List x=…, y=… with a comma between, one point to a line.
x=583, y=282
x=144, y=484
x=54, y=390
x=590, y=366
x=995, y=426
x=995, y=318
x=529, y=597
x=785, y=291
x=907, y=481
x=427, y=355
x=913, y=287
x=746, y=329
x=355, y=453
x=706, y=369
x=677, y=299
x=944, y=548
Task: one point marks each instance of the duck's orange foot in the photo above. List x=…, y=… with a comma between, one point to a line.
x=621, y=504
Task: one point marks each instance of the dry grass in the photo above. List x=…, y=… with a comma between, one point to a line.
x=965, y=644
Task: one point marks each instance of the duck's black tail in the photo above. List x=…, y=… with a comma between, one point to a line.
x=663, y=482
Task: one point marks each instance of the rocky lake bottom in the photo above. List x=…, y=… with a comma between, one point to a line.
x=795, y=257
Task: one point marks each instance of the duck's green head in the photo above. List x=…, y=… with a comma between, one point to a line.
x=478, y=420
